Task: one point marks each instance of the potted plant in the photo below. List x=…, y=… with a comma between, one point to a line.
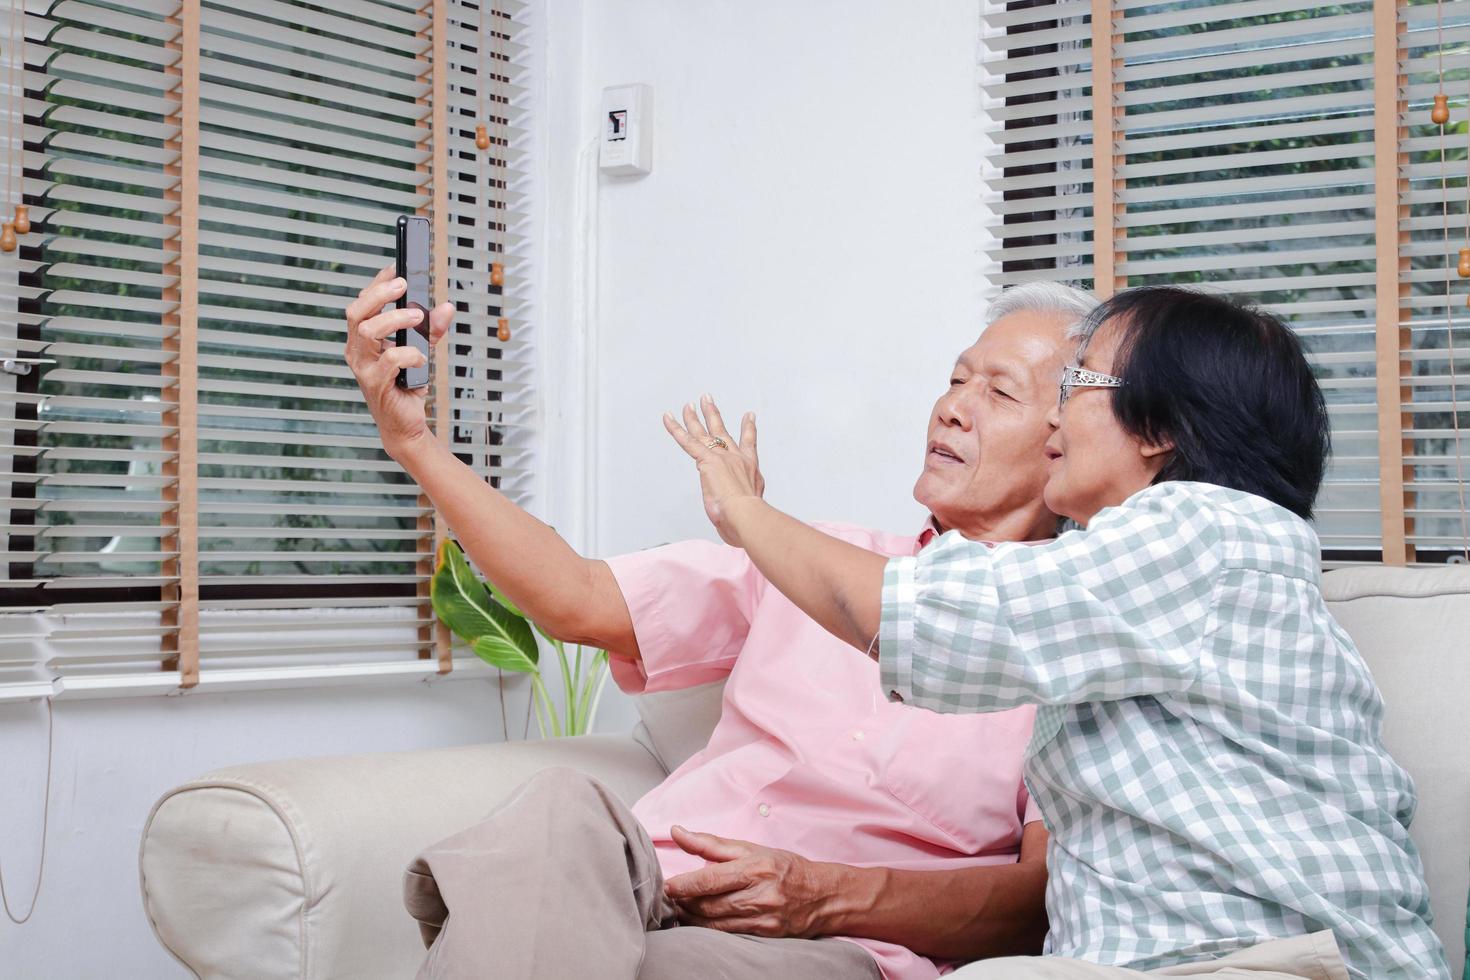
x=502, y=636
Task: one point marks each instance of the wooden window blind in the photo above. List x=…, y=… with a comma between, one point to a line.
x=197, y=493
x=1430, y=348
x=1279, y=151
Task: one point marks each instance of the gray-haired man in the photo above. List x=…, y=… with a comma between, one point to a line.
x=838, y=836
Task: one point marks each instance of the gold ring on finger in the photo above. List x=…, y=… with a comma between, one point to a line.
x=716, y=443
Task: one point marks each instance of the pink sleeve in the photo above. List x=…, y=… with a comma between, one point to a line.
x=1031, y=812
x=691, y=605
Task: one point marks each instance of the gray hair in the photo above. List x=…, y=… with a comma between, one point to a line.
x=1045, y=297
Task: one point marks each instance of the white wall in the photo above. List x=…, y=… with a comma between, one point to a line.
x=807, y=247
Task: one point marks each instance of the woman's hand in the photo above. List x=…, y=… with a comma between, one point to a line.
x=375, y=361
x=728, y=470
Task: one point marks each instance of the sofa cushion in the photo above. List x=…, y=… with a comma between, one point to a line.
x=1411, y=626
x=677, y=724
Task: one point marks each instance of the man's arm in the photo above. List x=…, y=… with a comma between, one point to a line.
x=575, y=599
x=964, y=914
x=967, y=914
x=569, y=596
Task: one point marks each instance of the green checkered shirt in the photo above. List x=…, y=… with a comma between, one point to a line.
x=1206, y=752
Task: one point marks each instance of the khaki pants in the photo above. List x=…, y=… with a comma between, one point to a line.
x=561, y=881
x=1313, y=957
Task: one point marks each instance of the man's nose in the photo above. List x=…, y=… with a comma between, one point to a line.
x=953, y=410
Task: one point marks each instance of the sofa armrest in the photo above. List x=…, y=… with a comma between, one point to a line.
x=294, y=869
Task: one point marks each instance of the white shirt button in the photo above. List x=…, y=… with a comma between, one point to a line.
x=763, y=810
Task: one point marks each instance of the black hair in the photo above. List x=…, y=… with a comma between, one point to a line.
x=1227, y=384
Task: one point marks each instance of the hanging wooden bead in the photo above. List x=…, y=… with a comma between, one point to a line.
x=1441, y=111
x=22, y=219
x=1464, y=268
x=502, y=332
x=482, y=137
x=7, y=238
x=497, y=274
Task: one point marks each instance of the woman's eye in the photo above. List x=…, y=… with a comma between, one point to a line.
x=956, y=381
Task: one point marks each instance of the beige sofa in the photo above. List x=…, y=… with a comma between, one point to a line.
x=293, y=869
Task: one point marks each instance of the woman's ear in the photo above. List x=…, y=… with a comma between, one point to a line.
x=1155, y=456
x=1148, y=450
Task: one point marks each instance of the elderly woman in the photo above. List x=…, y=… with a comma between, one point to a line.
x=1206, y=752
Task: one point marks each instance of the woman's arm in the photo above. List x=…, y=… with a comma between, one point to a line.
x=571, y=597
x=1117, y=612
x=835, y=583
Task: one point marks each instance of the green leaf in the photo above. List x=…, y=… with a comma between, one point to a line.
x=504, y=600
x=498, y=635
x=507, y=656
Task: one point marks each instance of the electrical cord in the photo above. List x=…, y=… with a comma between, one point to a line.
x=45, y=827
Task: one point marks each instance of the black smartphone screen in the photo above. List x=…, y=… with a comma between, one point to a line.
x=413, y=266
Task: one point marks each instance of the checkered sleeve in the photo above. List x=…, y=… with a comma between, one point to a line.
x=1112, y=612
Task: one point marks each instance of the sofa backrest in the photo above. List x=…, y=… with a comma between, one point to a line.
x=1413, y=628
x=677, y=724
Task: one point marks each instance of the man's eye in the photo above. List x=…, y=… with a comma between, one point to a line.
x=956, y=381
x=1004, y=394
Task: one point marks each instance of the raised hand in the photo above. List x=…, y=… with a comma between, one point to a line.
x=729, y=469
x=375, y=360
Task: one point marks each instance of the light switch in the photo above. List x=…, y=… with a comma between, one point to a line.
x=626, y=125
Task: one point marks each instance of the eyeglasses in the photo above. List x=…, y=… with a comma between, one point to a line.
x=1076, y=377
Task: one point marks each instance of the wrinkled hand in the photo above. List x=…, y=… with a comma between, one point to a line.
x=750, y=889
x=726, y=473
x=375, y=360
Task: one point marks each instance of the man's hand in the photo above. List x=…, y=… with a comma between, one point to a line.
x=375, y=361
x=728, y=470
x=750, y=889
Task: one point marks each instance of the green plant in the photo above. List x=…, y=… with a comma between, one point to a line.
x=501, y=635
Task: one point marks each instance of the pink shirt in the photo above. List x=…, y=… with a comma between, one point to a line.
x=808, y=755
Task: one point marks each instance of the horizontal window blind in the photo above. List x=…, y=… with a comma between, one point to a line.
x=89, y=507
x=1036, y=80
x=1243, y=145
x=189, y=281
x=1434, y=323
x=1245, y=140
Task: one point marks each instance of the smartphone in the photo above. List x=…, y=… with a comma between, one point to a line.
x=413, y=268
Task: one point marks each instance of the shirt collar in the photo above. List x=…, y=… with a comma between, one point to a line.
x=928, y=534
x=932, y=530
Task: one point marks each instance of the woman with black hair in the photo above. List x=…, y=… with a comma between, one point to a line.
x=1206, y=752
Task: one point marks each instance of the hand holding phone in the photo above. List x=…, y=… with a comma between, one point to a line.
x=375, y=316
x=413, y=268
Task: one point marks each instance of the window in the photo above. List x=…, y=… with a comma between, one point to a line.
x=1243, y=152
x=196, y=488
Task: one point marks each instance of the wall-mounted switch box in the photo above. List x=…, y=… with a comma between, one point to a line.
x=625, y=147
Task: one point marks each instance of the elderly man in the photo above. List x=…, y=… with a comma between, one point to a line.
x=832, y=833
